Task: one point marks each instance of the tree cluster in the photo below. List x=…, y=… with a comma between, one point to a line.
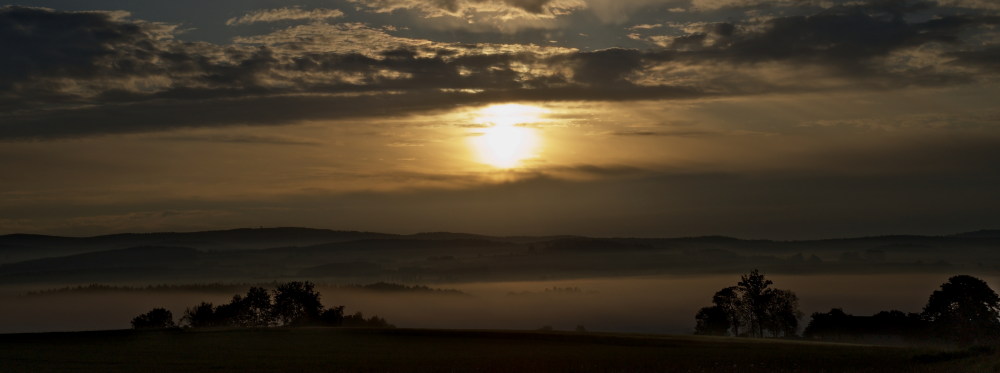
x=289, y=304
x=965, y=310
x=840, y=326
x=751, y=308
x=158, y=318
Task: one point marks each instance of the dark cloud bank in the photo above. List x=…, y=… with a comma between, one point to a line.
x=70, y=74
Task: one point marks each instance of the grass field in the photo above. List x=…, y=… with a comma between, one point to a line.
x=408, y=350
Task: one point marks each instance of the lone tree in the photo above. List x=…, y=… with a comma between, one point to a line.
x=157, y=318
x=965, y=309
x=751, y=308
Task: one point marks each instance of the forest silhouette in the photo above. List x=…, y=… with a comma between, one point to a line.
x=290, y=304
x=965, y=310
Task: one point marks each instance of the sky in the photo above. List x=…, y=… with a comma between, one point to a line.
x=783, y=119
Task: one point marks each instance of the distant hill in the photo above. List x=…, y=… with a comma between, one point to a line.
x=110, y=265
x=266, y=254
x=141, y=257
x=985, y=233
x=18, y=247
x=242, y=238
x=447, y=236
x=596, y=244
x=398, y=244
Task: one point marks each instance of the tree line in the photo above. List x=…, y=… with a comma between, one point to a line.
x=964, y=310
x=289, y=304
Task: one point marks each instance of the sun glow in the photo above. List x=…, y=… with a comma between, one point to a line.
x=505, y=142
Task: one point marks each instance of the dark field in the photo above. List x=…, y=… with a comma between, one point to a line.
x=331, y=350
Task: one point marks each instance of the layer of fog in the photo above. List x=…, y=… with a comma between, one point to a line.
x=642, y=305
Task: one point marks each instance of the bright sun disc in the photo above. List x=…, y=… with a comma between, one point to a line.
x=504, y=144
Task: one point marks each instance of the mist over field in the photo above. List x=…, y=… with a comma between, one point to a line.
x=649, y=304
x=642, y=285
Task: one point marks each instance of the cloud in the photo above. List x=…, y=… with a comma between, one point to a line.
x=515, y=15
x=241, y=139
x=608, y=67
x=596, y=203
x=41, y=43
x=343, y=38
x=590, y=171
x=71, y=74
x=988, y=58
x=502, y=15
x=284, y=14
x=971, y=4
x=142, y=221
x=468, y=8
x=620, y=11
x=839, y=46
x=712, y=5
x=645, y=26
x=670, y=133
x=966, y=121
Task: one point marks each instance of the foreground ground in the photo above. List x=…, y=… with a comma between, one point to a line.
x=354, y=350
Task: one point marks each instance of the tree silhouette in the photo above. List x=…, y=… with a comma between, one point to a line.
x=728, y=300
x=781, y=312
x=712, y=321
x=251, y=311
x=157, y=318
x=293, y=304
x=296, y=303
x=228, y=314
x=753, y=305
x=333, y=316
x=258, y=307
x=358, y=320
x=899, y=323
x=965, y=309
x=200, y=316
x=835, y=324
x=753, y=285
x=841, y=326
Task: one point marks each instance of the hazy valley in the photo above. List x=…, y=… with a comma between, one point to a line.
x=648, y=285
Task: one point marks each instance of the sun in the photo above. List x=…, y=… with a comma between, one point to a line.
x=505, y=142
x=505, y=146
